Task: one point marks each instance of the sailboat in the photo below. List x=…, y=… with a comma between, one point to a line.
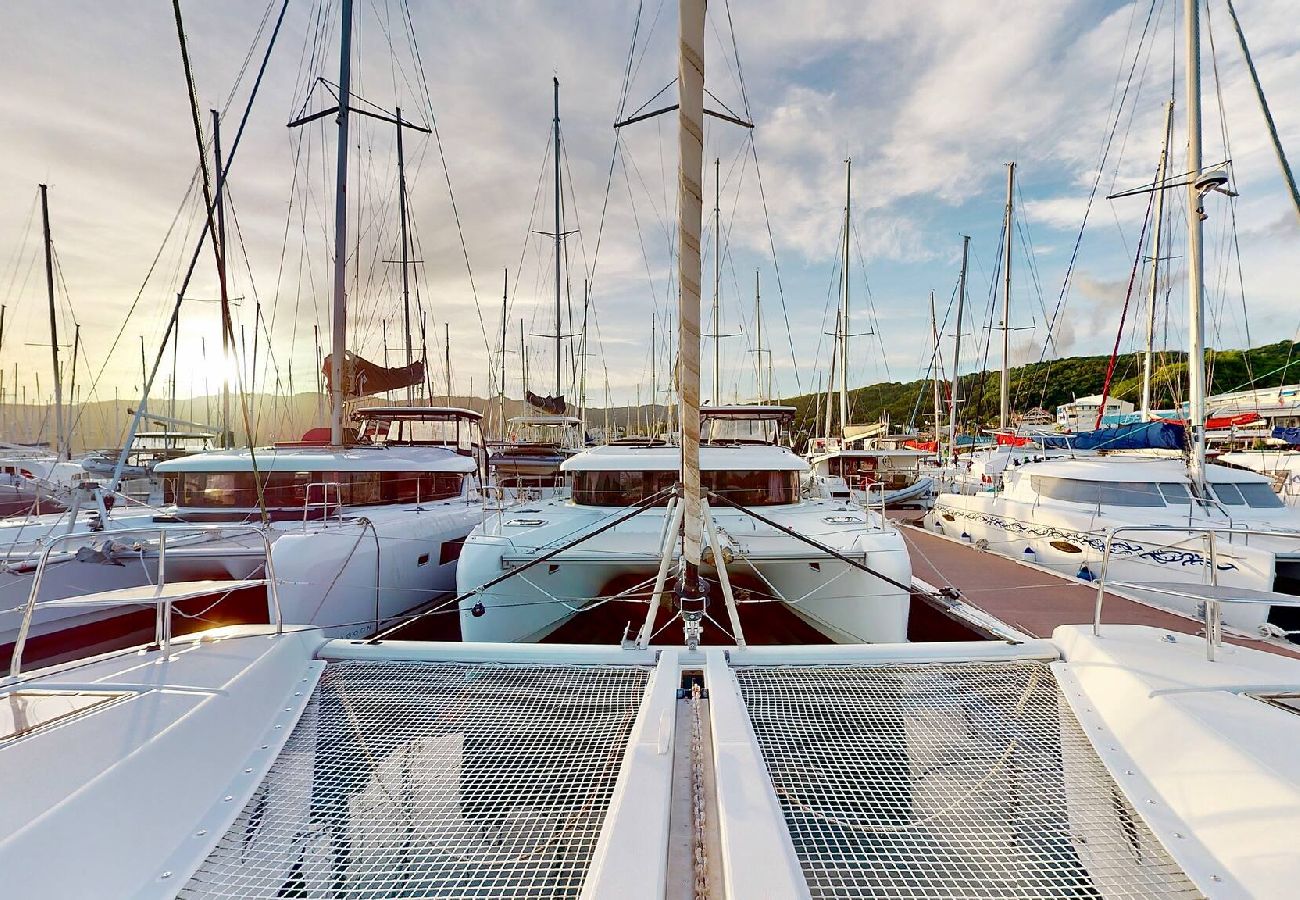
x=362, y=527
x=640, y=509
x=526, y=463
x=855, y=466
x=1176, y=534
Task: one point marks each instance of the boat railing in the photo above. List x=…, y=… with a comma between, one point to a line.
x=159, y=594
x=867, y=489
x=323, y=504
x=1212, y=599
x=523, y=489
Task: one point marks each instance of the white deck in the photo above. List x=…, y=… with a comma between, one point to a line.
x=247, y=765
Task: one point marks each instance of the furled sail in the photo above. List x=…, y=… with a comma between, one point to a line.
x=553, y=405
x=362, y=377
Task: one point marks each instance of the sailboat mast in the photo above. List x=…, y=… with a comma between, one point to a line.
x=844, y=316
x=582, y=360
x=1004, y=406
x=339, y=323
x=654, y=376
x=406, y=275
x=717, y=276
x=690, y=137
x=505, y=293
x=830, y=378
x=219, y=242
x=758, y=328
x=446, y=346
x=60, y=442
x=1195, y=251
x=558, y=237
x=1155, y=263
x=956, y=350
x=938, y=408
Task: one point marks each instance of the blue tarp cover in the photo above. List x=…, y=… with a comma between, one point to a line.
x=1290, y=435
x=1139, y=436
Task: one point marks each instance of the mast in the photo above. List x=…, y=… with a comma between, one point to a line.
x=956, y=350
x=844, y=317
x=446, y=345
x=830, y=378
x=559, y=238
x=653, y=415
x=406, y=277
x=690, y=129
x=523, y=357
x=717, y=276
x=339, y=329
x=758, y=328
x=219, y=243
x=60, y=440
x=1004, y=407
x=1155, y=263
x=505, y=293
x=938, y=408
x=582, y=361
x=1195, y=251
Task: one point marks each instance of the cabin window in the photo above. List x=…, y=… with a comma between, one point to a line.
x=1260, y=496
x=288, y=490
x=237, y=490
x=754, y=488
x=1174, y=492
x=420, y=487
x=620, y=488
x=746, y=487
x=1092, y=493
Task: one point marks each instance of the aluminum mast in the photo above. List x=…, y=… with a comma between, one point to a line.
x=339, y=323
x=1195, y=251
x=956, y=350
x=1155, y=263
x=60, y=439
x=1004, y=413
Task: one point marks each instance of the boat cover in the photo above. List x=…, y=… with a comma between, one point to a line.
x=1159, y=435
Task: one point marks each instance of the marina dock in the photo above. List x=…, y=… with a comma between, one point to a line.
x=1031, y=599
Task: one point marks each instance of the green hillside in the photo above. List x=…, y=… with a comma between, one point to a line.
x=1049, y=384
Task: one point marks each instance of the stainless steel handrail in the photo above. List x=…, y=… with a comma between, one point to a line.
x=324, y=503
x=867, y=490
x=1213, y=617
x=162, y=626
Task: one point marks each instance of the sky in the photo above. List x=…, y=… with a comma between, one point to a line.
x=930, y=100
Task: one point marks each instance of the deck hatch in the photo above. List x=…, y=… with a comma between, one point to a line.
x=947, y=780
x=435, y=780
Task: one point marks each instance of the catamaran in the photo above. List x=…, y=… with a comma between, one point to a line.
x=1152, y=526
x=612, y=538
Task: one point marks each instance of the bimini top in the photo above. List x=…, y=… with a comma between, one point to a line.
x=324, y=459
x=669, y=459
x=421, y=413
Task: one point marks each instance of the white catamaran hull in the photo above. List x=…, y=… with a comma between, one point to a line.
x=840, y=600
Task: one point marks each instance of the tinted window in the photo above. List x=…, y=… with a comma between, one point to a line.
x=746, y=487
x=1259, y=495
x=1174, y=492
x=620, y=488
x=1229, y=495
x=1111, y=493
x=288, y=490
